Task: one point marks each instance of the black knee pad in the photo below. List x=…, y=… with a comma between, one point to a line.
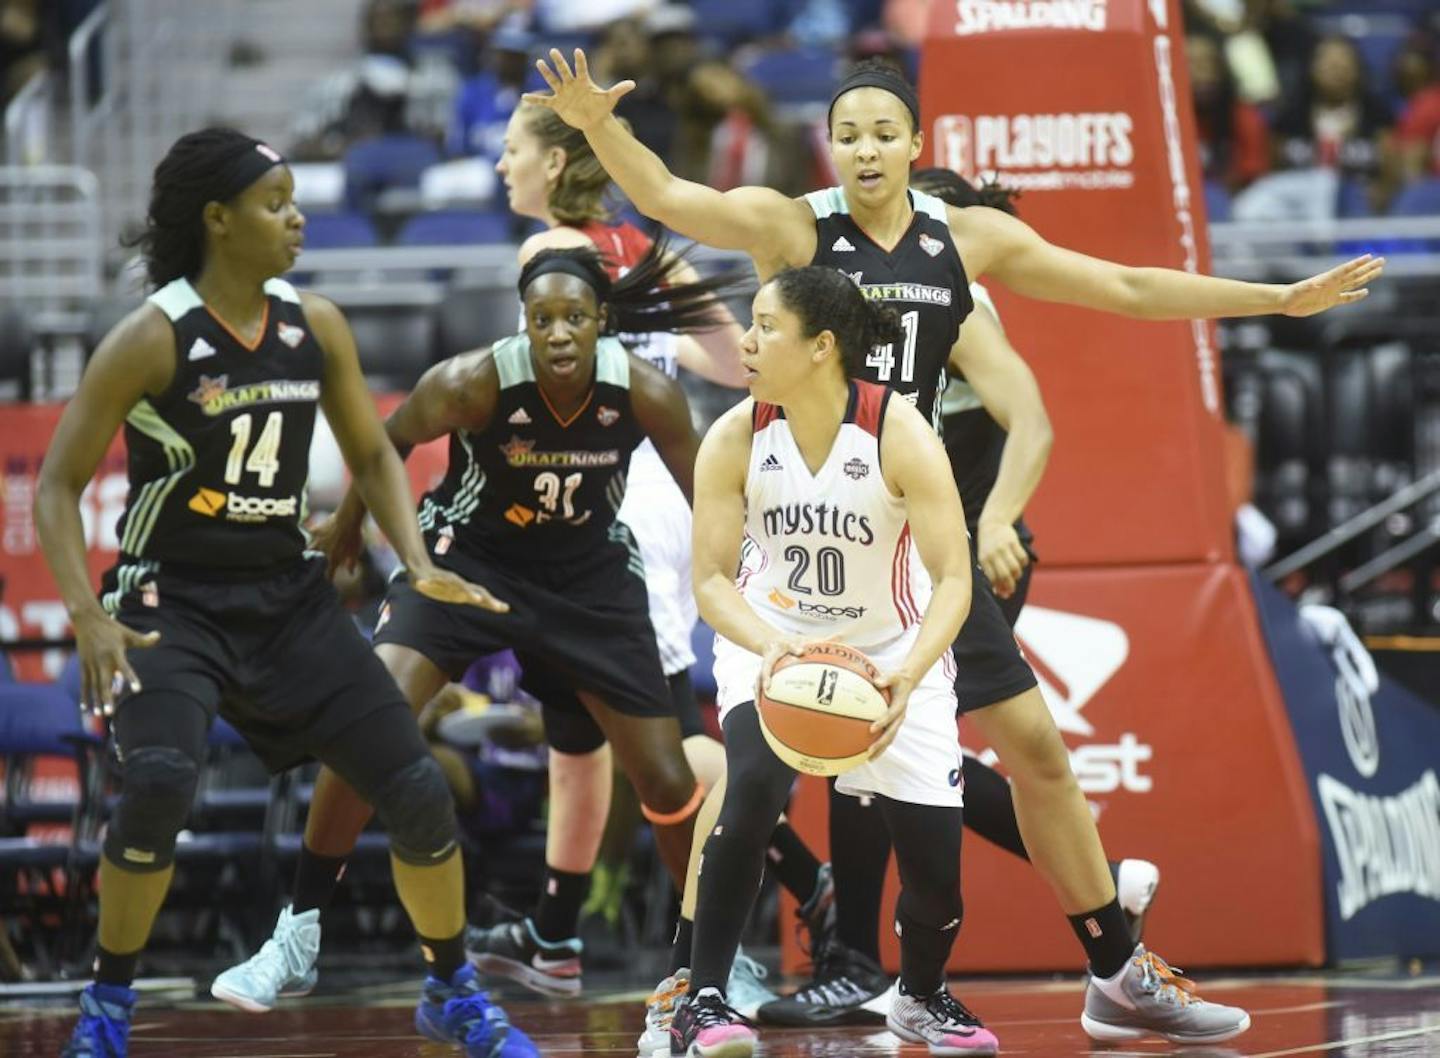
x=939, y=910
x=417, y=811
x=571, y=730
x=159, y=787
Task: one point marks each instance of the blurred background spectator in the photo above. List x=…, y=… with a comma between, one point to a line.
x=1234, y=140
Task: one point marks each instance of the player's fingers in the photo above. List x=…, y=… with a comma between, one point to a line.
x=562, y=68
x=135, y=640
x=548, y=76
x=486, y=601
x=624, y=88
x=1349, y=296
x=132, y=681
x=582, y=65
x=89, y=687
x=536, y=99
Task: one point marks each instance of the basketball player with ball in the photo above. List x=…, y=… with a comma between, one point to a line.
x=836, y=504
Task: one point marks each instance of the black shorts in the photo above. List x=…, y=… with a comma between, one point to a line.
x=577, y=626
x=989, y=665
x=276, y=655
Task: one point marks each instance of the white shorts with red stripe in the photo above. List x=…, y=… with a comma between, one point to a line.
x=922, y=766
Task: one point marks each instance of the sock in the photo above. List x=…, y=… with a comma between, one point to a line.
x=924, y=950
x=557, y=915
x=1105, y=937
x=859, y=854
x=316, y=878
x=112, y=969
x=793, y=865
x=443, y=957
x=990, y=807
x=681, y=949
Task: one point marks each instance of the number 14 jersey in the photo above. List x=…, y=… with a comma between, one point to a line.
x=828, y=554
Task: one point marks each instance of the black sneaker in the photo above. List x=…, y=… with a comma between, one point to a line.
x=848, y=988
x=705, y=1026
x=515, y=950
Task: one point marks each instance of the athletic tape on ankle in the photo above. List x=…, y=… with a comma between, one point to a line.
x=665, y=819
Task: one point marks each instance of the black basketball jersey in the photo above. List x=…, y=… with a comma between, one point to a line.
x=218, y=463
x=532, y=486
x=922, y=279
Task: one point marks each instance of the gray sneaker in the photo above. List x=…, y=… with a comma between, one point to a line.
x=746, y=991
x=284, y=966
x=1154, y=1000
x=941, y=1022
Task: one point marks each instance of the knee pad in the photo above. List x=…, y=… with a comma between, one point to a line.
x=941, y=910
x=159, y=787
x=417, y=811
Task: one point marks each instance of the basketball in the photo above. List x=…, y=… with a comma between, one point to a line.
x=819, y=709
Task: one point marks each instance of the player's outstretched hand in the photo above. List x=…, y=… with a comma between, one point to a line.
x=101, y=641
x=578, y=100
x=341, y=539
x=899, y=684
x=1341, y=285
x=1002, y=556
x=444, y=586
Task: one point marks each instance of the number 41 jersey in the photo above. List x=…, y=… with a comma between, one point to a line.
x=828, y=554
x=921, y=278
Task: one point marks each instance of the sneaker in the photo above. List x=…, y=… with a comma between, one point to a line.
x=745, y=990
x=942, y=1023
x=1135, y=884
x=515, y=950
x=457, y=1011
x=1149, y=998
x=103, y=1030
x=704, y=1026
x=284, y=965
x=817, y=915
x=654, y=1042
x=847, y=988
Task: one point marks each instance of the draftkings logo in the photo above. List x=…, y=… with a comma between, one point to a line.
x=215, y=396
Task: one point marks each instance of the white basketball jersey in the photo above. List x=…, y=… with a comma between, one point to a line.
x=829, y=554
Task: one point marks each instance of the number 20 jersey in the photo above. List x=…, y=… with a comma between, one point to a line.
x=921, y=278
x=829, y=554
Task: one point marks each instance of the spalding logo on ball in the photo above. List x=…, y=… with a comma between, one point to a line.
x=819, y=708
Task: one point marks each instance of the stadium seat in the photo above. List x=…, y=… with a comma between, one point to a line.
x=386, y=163
x=395, y=343
x=16, y=343
x=795, y=75
x=1217, y=202
x=455, y=227
x=336, y=231
x=702, y=673
x=737, y=20
x=104, y=315
x=472, y=317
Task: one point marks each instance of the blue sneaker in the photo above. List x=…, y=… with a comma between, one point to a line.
x=459, y=1012
x=103, y=1030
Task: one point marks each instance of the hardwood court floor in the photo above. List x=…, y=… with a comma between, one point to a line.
x=1328, y=1014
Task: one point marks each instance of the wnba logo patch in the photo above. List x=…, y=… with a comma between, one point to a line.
x=290, y=334
x=607, y=416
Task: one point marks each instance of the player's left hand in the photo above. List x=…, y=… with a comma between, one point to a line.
x=443, y=586
x=1002, y=556
x=899, y=684
x=1342, y=285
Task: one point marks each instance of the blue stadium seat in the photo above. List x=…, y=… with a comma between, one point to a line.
x=736, y=20
x=335, y=231
x=1420, y=199
x=795, y=75
x=1217, y=202
x=702, y=673
x=385, y=163
x=455, y=227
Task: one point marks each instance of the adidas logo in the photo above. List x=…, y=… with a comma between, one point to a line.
x=200, y=350
x=519, y=417
x=843, y=245
x=771, y=463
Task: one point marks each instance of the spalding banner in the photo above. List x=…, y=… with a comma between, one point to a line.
x=1160, y=684
x=1084, y=106
x=30, y=606
x=1372, y=762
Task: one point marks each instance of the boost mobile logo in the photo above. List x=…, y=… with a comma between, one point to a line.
x=1074, y=656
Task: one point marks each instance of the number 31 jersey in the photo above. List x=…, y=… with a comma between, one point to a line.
x=828, y=554
x=921, y=278
x=533, y=486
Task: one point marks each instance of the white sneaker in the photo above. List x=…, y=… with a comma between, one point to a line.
x=745, y=991
x=1135, y=885
x=654, y=1042
x=284, y=966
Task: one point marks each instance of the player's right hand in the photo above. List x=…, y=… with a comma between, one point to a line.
x=899, y=684
x=101, y=643
x=1002, y=556
x=341, y=539
x=577, y=99
x=443, y=586
x=777, y=649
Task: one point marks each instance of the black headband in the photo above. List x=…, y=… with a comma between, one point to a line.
x=251, y=162
x=893, y=83
x=542, y=264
